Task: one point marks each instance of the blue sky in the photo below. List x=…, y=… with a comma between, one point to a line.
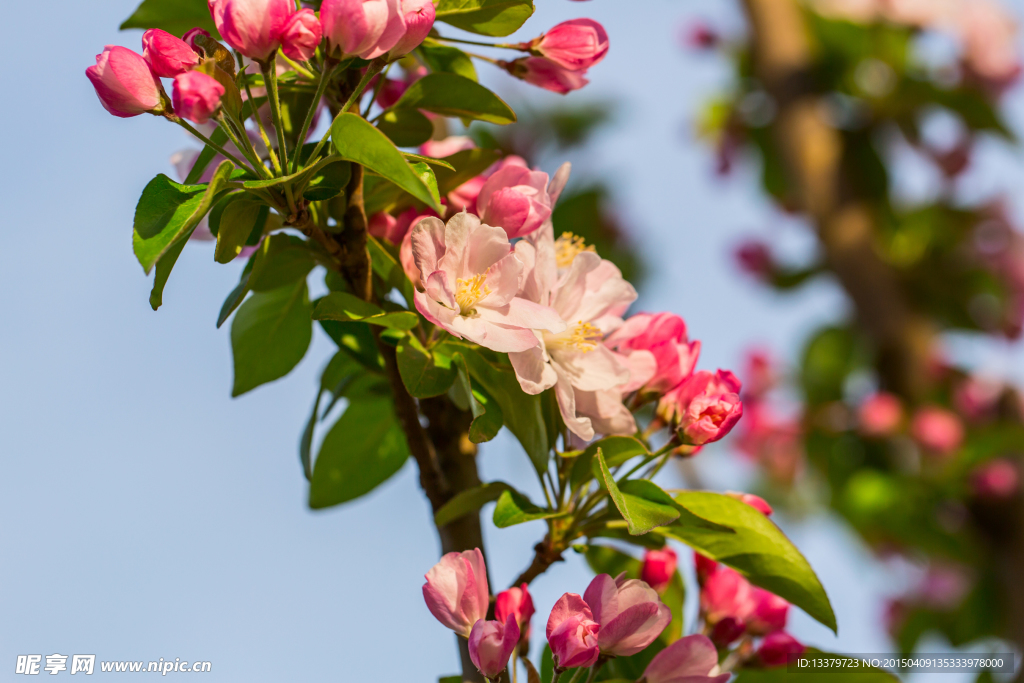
x=148, y=515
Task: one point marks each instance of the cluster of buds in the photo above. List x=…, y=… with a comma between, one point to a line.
x=559, y=58
x=615, y=617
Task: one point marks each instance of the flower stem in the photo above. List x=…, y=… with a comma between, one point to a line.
x=506, y=46
x=371, y=71
x=240, y=137
x=325, y=77
x=269, y=69
x=220, y=150
x=254, y=111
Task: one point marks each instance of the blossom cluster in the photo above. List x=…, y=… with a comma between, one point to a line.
x=615, y=617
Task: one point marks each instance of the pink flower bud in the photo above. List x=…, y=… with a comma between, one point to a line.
x=705, y=566
x=704, y=407
x=575, y=45
x=976, y=398
x=755, y=258
x=700, y=36
x=124, y=82
x=768, y=614
x=727, y=631
x=756, y=502
x=776, y=649
x=516, y=200
x=253, y=27
x=692, y=659
x=544, y=73
x=759, y=374
x=880, y=415
x=419, y=19
x=353, y=26
x=190, y=38
x=515, y=602
x=937, y=430
x=629, y=611
x=301, y=35
x=390, y=92
x=572, y=633
x=995, y=480
x=167, y=55
x=447, y=147
x=196, y=96
x=456, y=590
x=726, y=594
x=659, y=568
x=662, y=339
x=491, y=644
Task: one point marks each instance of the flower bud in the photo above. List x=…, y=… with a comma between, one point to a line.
x=253, y=27
x=756, y=502
x=880, y=415
x=768, y=614
x=544, y=73
x=776, y=649
x=196, y=96
x=995, y=480
x=491, y=644
x=125, y=83
x=575, y=45
x=659, y=568
x=662, y=339
x=367, y=28
x=167, y=55
x=704, y=408
x=727, y=631
x=418, y=16
x=301, y=35
x=937, y=430
x=572, y=633
x=197, y=39
x=692, y=659
x=456, y=590
x=630, y=613
x=726, y=594
x=516, y=200
x=518, y=603
x=705, y=566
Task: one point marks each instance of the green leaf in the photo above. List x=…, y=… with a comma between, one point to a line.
x=424, y=374
x=429, y=161
x=364, y=448
x=616, y=449
x=485, y=17
x=487, y=416
x=163, y=271
x=342, y=367
x=173, y=16
x=522, y=412
x=406, y=127
x=218, y=137
x=756, y=548
x=355, y=139
x=357, y=340
x=515, y=508
x=387, y=267
x=281, y=260
x=345, y=307
x=454, y=95
x=469, y=501
x=642, y=514
x=270, y=335
x=237, y=294
x=328, y=182
x=426, y=174
x=447, y=59
x=237, y=221
x=168, y=211
x=838, y=674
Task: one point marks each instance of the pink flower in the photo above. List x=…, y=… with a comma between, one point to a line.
x=515, y=199
x=755, y=258
x=452, y=144
x=937, y=430
x=995, y=480
x=759, y=374
x=167, y=55
x=692, y=659
x=194, y=36
x=572, y=633
x=395, y=229
x=456, y=590
x=253, y=27
x=777, y=647
x=394, y=29
x=659, y=568
x=354, y=26
x=544, y=73
x=470, y=278
x=630, y=613
x=768, y=614
x=727, y=631
x=125, y=83
x=591, y=297
x=575, y=45
x=701, y=36
x=660, y=341
x=756, y=502
x=405, y=255
x=419, y=19
x=976, y=397
x=880, y=415
x=301, y=35
x=196, y=96
x=705, y=566
x=726, y=594
x=491, y=644
x=989, y=36
x=704, y=407
x=515, y=602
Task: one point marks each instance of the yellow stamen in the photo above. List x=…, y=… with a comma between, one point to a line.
x=567, y=246
x=468, y=291
x=584, y=337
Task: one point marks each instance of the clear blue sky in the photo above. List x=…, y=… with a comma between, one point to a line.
x=147, y=515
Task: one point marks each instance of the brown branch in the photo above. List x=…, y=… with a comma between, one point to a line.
x=545, y=555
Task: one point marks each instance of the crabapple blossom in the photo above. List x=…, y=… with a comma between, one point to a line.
x=544, y=73
x=418, y=16
x=456, y=590
x=491, y=644
x=515, y=602
x=572, y=633
x=880, y=414
x=692, y=659
x=768, y=614
x=196, y=96
x=657, y=341
x=756, y=502
x=726, y=594
x=629, y=611
x=777, y=647
x=253, y=27
x=353, y=27
x=515, y=199
x=301, y=35
x=704, y=566
x=938, y=430
x=575, y=45
x=995, y=480
x=125, y=83
x=167, y=55
x=470, y=279
x=659, y=567
x=704, y=408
